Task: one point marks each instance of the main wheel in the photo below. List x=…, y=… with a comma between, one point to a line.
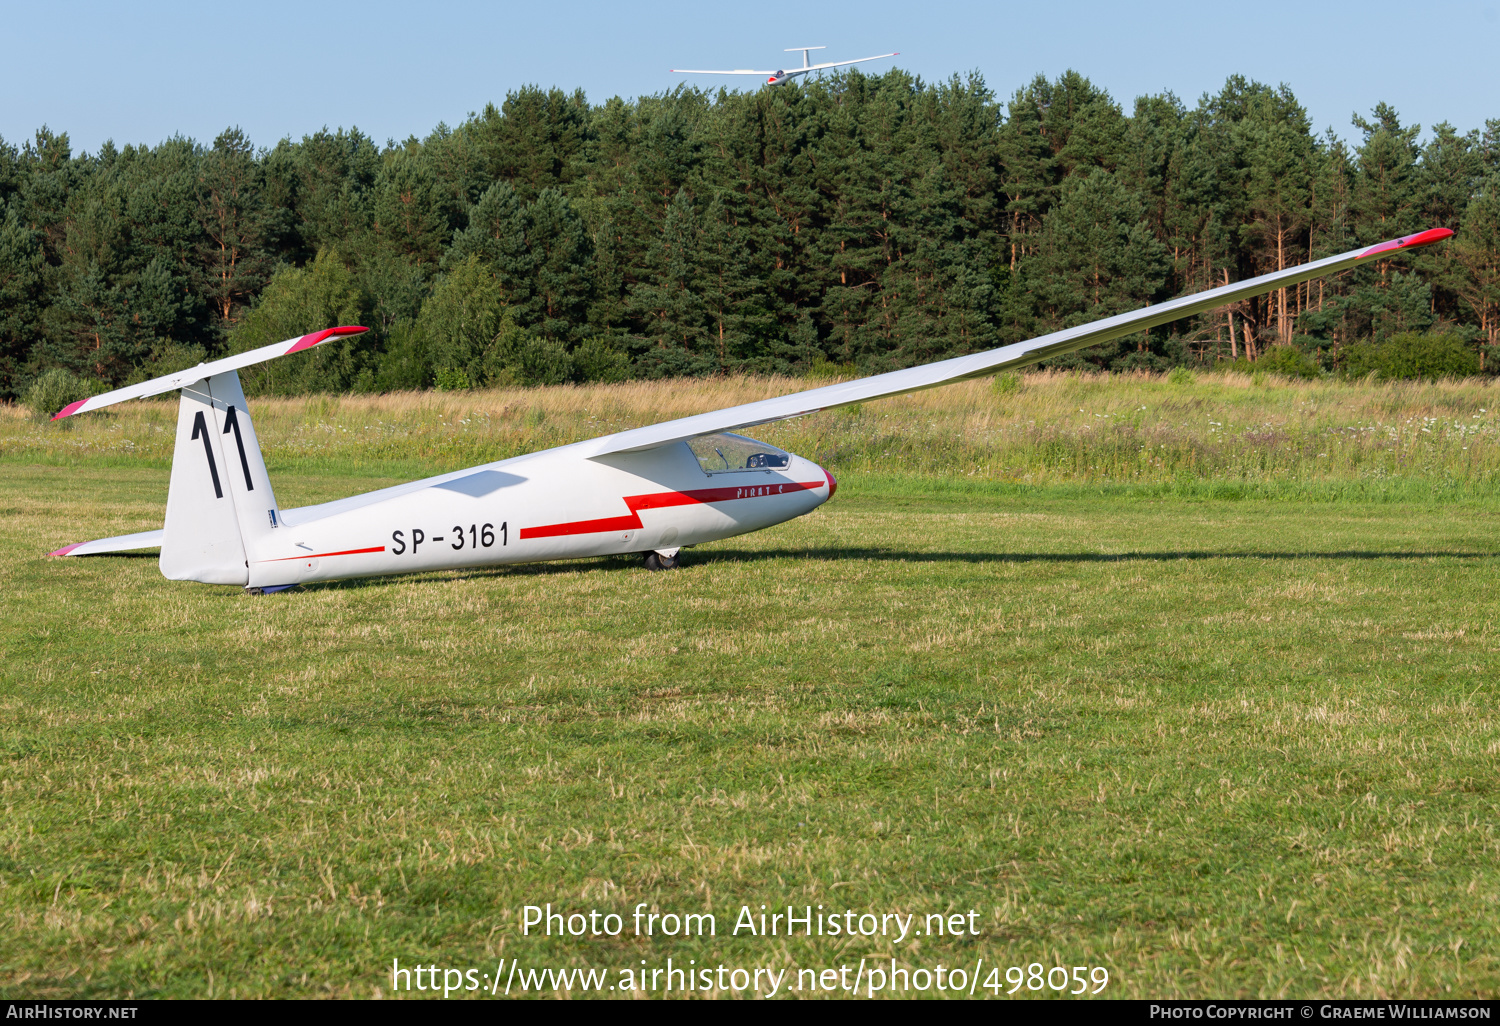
x=656, y=561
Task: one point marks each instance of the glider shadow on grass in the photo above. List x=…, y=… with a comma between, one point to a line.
x=708, y=557
x=903, y=556
x=152, y=555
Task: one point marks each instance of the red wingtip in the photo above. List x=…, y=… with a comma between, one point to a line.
x=65, y=549
x=68, y=410
x=1426, y=238
x=308, y=341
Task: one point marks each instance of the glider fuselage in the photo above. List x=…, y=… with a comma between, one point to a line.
x=549, y=505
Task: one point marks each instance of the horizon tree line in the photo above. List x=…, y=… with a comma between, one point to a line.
x=869, y=222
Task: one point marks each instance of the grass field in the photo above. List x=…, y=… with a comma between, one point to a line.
x=1194, y=682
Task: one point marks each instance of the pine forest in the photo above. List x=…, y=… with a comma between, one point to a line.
x=846, y=225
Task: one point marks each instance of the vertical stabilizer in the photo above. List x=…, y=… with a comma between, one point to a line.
x=220, y=502
x=254, y=501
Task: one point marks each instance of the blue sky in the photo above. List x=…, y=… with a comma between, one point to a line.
x=143, y=72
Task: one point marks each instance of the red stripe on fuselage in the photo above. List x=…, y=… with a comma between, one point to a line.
x=320, y=555
x=662, y=500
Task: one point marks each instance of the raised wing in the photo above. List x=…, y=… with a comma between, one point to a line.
x=857, y=60
x=914, y=379
x=156, y=386
x=737, y=71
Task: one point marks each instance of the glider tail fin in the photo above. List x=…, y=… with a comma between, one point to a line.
x=220, y=503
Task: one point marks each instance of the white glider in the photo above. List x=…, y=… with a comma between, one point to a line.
x=650, y=490
x=780, y=76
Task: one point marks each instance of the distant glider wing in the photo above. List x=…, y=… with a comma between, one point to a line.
x=978, y=365
x=857, y=60
x=737, y=71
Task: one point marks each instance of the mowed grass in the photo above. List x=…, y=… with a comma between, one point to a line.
x=1238, y=745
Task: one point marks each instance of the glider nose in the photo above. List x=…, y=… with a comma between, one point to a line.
x=833, y=484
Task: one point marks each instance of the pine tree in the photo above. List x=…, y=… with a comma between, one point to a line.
x=1451, y=171
x=1476, y=250
x=232, y=215
x=534, y=140
x=495, y=231
x=1387, y=196
x=669, y=303
x=1098, y=259
x=407, y=207
x=330, y=185
x=1278, y=148
x=460, y=321
x=1028, y=178
x=22, y=284
x=1083, y=125
x=562, y=255
x=734, y=318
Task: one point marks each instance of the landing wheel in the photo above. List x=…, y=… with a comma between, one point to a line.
x=656, y=561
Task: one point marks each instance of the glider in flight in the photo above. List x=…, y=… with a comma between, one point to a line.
x=780, y=76
x=649, y=490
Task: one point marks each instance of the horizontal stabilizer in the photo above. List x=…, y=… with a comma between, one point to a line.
x=119, y=543
x=171, y=382
x=978, y=365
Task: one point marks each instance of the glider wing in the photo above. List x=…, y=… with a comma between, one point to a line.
x=931, y=375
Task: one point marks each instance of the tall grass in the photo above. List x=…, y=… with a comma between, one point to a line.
x=1222, y=435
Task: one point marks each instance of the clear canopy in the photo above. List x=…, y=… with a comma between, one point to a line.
x=728, y=454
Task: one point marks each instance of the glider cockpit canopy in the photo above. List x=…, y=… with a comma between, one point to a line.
x=726, y=453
